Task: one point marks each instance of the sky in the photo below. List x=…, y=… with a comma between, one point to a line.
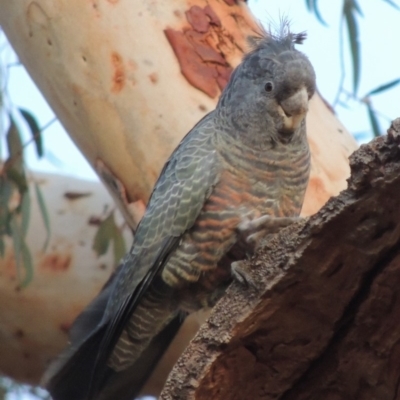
x=380, y=60
x=379, y=30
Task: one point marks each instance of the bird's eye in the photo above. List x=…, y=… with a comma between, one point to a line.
x=268, y=87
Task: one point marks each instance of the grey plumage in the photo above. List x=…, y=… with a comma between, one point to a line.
x=247, y=158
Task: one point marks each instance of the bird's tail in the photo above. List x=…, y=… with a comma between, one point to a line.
x=68, y=378
x=126, y=384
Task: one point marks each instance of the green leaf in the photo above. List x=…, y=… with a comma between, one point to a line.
x=350, y=6
x=384, y=87
x=357, y=7
x=119, y=245
x=373, y=120
x=6, y=189
x=43, y=211
x=28, y=264
x=35, y=130
x=312, y=7
x=26, y=211
x=104, y=235
x=14, y=145
x=108, y=232
x=16, y=237
x=18, y=177
x=393, y=4
x=22, y=253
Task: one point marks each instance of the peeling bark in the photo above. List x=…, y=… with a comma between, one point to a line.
x=200, y=60
x=323, y=320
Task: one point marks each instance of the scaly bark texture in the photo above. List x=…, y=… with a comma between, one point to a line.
x=322, y=322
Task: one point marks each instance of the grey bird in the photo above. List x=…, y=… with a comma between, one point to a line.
x=239, y=174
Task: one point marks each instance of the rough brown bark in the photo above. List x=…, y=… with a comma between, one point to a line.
x=323, y=321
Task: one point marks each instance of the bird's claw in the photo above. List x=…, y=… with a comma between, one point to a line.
x=253, y=230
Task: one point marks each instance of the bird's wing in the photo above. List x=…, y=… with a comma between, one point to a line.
x=177, y=199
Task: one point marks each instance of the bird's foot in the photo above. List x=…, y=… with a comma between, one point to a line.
x=253, y=230
x=240, y=273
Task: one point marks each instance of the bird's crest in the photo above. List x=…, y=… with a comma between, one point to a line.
x=275, y=38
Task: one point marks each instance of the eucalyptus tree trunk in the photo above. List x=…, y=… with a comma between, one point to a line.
x=128, y=79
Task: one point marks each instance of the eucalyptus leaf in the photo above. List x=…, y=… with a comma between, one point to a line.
x=383, y=87
x=393, y=4
x=109, y=232
x=357, y=7
x=22, y=254
x=349, y=9
x=43, y=211
x=27, y=263
x=16, y=237
x=18, y=177
x=373, y=120
x=6, y=189
x=25, y=211
x=35, y=130
x=312, y=7
x=14, y=145
x=104, y=235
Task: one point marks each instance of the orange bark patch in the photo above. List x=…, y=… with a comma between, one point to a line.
x=153, y=77
x=224, y=73
x=316, y=195
x=214, y=20
x=199, y=74
x=230, y=2
x=119, y=77
x=56, y=262
x=201, y=64
x=197, y=17
x=203, y=49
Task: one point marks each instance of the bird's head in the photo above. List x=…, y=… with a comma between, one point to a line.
x=266, y=99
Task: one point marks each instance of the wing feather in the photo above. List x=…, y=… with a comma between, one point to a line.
x=175, y=203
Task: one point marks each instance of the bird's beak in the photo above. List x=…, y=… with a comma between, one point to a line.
x=293, y=110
